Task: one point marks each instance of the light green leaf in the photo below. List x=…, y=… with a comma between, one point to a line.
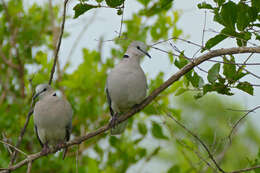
x=157, y=131
x=213, y=73
x=114, y=3
x=142, y=128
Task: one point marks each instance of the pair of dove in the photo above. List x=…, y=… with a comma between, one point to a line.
x=126, y=87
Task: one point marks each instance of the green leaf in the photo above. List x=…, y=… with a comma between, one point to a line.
x=80, y=9
x=174, y=169
x=229, y=69
x=180, y=91
x=113, y=141
x=144, y=2
x=181, y=62
x=229, y=14
x=243, y=19
x=246, y=87
x=157, y=131
x=214, y=41
x=196, y=80
x=213, y=73
x=119, y=12
x=255, y=4
x=158, y=7
x=207, y=88
x=204, y=5
x=142, y=128
x=220, y=2
x=114, y=3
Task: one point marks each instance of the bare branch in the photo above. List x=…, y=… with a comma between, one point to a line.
x=15, y=148
x=147, y=101
x=14, y=155
x=59, y=42
x=198, y=139
x=29, y=168
x=204, y=26
x=122, y=20
x=236, y=124
x=245, y=169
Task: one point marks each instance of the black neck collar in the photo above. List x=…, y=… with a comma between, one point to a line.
x=126, y=56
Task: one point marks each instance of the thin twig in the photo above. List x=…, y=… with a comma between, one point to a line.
x=238, y=121
x=59, y=42
x=204, y=26
x=77, y=159
x=15, y=148
x=245, y=169
x=29, y=168
x=198, y=139
x=122, y=20
x=14, y=155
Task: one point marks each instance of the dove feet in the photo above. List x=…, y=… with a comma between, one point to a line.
x=113, y=120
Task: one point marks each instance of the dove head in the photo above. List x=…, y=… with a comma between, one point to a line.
x=41, y=90
x=137, y=49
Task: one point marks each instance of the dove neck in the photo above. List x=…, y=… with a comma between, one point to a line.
x=133, y=57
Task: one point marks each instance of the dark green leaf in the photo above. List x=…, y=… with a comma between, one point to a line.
x=196, y=80
x=157, y=131
x=213, y=73
x=113, y=141
x=255, y=4
x=220, y=2
x=204, y=5
x=142, y=128
x=246, y=86
x=229, y=69
x=114, y=3
x=198, y=95
x=243, y=19
x=80, y=9
x=207, y=88
x=119, y=12
x=174, y=169
x=229, y=14
x=214, y=41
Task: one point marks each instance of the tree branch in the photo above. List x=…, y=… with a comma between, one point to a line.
x=148, y=100
x=238, y=121
x=59, y=41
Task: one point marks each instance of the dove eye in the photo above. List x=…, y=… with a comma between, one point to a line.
x=138, y=47
x=45, y=89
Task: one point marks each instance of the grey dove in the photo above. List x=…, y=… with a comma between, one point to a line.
x=126, y=85
x=52, y=118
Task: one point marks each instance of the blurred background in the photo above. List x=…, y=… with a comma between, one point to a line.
x=29, y=30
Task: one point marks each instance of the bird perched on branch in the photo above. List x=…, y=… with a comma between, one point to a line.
x=52, y=118
x=126, y=85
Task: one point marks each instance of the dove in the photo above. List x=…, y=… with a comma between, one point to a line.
x=52, y=118
x=126, y=85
